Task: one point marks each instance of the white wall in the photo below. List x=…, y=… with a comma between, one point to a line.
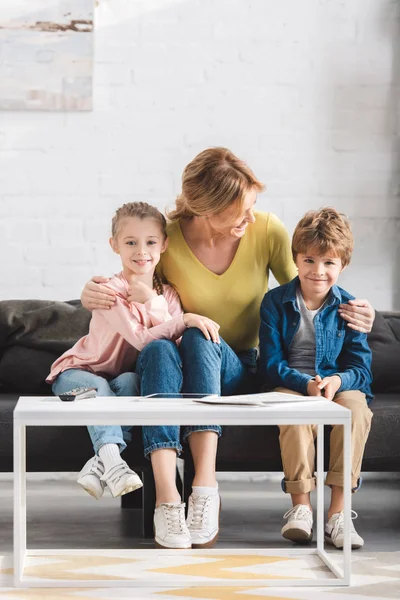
x=306, y=92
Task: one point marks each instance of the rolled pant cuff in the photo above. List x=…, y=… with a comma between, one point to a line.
x=302, y=486
x=333, y=478
x=109, y=440
x=162, y=445
x=215, y=428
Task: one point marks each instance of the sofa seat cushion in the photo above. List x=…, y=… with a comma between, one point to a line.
x=385, y=347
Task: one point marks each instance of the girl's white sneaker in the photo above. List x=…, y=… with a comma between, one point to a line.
x=120, y=479
x=90, y=477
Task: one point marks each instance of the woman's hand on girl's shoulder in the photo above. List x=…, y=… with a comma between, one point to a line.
x=359, y=314
x=208, y=327
x=94, y=295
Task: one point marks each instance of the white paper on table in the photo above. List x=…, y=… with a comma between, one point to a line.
x=266, y=398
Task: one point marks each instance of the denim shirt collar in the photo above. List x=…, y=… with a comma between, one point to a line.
x=334, y=296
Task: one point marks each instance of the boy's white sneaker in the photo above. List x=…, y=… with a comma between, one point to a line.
x=90, y=477
x=334, y=531
x=299, y=525
x=203, y=519
x=120, y=479
x=170, y=530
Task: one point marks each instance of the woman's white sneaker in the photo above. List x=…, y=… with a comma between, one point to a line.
x=120, y=479
x=334, y=531
x=298, y=528
x=203, y=519
x=90, y=477
x=170, y=530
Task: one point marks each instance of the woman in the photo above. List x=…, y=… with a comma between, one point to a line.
x=219, y=257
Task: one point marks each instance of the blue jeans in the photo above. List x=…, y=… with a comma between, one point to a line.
x=126, y=384
x=198, y=366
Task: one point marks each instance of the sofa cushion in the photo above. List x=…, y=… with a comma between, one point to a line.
x=385, y=354
x=33, y=333
x=25, y=370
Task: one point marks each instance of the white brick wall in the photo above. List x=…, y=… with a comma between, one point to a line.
x=306, y=92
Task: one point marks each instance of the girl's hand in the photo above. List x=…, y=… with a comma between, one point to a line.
x=312, y=386
x=139, y=291
x=330, y=385
x=208, y=327
x=359, y=314
x=94, y=295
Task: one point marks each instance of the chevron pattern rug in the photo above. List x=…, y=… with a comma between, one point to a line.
x=374, y=575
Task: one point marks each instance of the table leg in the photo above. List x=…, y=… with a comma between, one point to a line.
x=320, y=487
x=347, y=499
x=19, y=502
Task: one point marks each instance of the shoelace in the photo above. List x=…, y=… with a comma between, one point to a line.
x=175, y=518
x=338, y=523
x=116, y=472
x=97, y=467
x=299, y=512
x=199, y=511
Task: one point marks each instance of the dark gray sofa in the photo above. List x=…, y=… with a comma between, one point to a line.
x=34, y=332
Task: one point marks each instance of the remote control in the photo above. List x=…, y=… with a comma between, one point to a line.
x=78, y=394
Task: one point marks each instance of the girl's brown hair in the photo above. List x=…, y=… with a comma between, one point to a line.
x=141, y=210
x=213, y=181
x=325, y=230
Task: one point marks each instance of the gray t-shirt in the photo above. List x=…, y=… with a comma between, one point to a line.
x=302, y=348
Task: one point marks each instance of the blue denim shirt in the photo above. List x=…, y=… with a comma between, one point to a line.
x=340, y=350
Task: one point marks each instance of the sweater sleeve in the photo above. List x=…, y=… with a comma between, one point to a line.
x=125, y=319
x=163, y=308
x=280, y=252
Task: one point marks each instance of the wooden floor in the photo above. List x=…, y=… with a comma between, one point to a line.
x=61, y=515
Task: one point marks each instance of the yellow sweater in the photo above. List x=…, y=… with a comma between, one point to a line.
x=232, y=299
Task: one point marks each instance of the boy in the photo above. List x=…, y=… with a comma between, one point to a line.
x=306, y=349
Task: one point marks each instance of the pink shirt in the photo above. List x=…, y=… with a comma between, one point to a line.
x=117, y=335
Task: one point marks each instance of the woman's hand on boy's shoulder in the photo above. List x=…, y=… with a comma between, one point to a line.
x=95, y=295
x=359, y=315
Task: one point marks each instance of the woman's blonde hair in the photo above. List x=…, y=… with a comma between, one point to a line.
x=325, y=230
x=213, y=181
x=141, y=210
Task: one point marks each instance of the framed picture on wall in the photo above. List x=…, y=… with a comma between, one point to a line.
x=46, y=55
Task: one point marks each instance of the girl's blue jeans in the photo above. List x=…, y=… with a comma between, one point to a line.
x=126, y=384
x=197, y=366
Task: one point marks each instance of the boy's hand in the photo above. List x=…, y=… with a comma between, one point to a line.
x=139, y=291
x=312, y=386
x=330, y=386
x=208, y=327
x=95, y=295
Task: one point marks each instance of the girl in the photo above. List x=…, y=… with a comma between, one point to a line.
x=104, y=358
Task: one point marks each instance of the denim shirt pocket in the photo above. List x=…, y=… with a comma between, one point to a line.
x=334, y=339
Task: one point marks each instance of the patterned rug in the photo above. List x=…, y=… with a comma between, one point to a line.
x=374, y=575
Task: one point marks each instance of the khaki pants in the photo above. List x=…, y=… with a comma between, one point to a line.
x=298, y=451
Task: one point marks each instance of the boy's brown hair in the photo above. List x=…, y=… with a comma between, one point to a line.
x=325, y=231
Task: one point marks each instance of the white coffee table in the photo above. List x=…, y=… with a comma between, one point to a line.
x=47, y=411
